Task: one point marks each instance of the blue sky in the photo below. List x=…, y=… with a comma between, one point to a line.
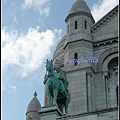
x=31, y=29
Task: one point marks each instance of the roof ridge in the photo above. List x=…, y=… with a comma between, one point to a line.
x=104, y=19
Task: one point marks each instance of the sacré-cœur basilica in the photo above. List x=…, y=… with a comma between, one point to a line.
x=93, y=87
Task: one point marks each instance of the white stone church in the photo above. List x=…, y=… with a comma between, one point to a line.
x=93, y=86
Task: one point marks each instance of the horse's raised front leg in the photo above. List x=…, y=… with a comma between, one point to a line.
x=55, y=97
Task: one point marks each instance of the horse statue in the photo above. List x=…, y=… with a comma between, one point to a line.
x=55, y=88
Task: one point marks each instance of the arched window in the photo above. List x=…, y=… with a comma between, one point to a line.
x=113, y=63
x=113, y=79
x=85, y=24
x=75, y=24
x=68, y=29
x=75, y=57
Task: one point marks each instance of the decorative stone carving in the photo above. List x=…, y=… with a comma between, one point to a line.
x=105, y=20
x=113, y=80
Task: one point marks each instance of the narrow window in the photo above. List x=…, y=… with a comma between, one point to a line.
x=75, y=24
x=85, y=24
x=68, y=29
x=75, y=60
x=117, y=94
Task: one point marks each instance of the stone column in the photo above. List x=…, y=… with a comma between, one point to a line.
x=93, y=94
x=49, y=113
x=89, y=91
x=106, y=90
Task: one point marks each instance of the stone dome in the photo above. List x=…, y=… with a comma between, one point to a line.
x=34, y=105
x=79, y=6
x=59, y=52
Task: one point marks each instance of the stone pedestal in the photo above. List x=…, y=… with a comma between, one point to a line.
x=49, y=113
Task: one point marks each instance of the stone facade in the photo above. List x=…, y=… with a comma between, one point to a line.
x=105, y=114
x=93, y=86
x=90, y=83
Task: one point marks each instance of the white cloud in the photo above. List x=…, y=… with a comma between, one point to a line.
x=102, y=7
x=27, y=50
x=43, y=6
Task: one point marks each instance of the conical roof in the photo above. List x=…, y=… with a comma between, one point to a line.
x=79, y=6
x=34, y=105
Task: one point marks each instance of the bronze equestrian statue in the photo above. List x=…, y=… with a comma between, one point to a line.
x=57, y=87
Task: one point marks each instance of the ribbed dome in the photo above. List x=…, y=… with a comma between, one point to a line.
x=34, y=105
x=59, y=52
x=79, y=6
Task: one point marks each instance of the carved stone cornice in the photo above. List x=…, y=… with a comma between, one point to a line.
x=77, y=44
x=105, y=42
x=80, y=13
x=105, y=19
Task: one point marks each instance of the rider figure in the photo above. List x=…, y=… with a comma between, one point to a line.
x=59, y=75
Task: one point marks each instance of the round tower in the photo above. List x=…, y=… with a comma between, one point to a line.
x=78, y=44
x=79, y=20
x=33, y=108
x=78, y=34
x=78, y=24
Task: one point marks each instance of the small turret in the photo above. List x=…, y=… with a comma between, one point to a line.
x=33, y=108
x=79, y=21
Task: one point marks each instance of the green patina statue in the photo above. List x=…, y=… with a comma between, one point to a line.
x=57, y=87
x=59, y=75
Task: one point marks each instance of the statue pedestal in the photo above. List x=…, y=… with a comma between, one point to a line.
x=50, y=113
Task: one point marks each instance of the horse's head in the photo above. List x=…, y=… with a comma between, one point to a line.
x=49, y=67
